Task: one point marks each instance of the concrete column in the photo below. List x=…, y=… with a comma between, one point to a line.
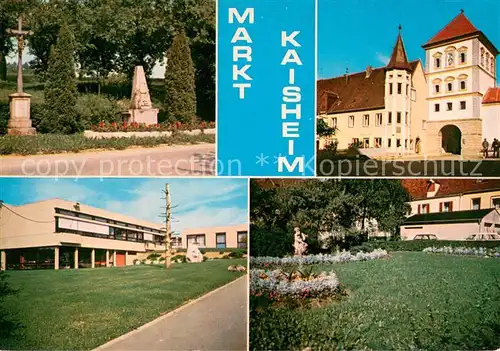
x=114, y=258
x=107, y=258
x=126, y=258
x=3, y=258
x=76, y=258
x=56, y=257
x=92, y=258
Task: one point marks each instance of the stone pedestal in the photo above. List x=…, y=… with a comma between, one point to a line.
x=20, y=122
x=148, y=116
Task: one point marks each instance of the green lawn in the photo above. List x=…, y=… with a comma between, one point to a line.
x=410, y=301
x=82, y=309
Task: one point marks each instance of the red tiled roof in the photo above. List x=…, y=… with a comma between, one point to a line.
x=353, y=92
x=417, y=188
x=492, y=96
x=458, y=27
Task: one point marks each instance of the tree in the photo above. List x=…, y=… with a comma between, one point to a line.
x=180, y=98
x=60, y=88
x=46, y=20
x=323, y=130
x=197, y=19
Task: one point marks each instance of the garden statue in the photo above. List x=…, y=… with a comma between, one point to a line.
x=299, y=243
x=193, y=254
x=141, y=108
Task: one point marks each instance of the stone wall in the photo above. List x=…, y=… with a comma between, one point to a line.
x=471, y=129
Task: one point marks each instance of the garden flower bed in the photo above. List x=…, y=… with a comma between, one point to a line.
x=344, y=256
x=278, y=284
x=108, y=127
x=466, y=251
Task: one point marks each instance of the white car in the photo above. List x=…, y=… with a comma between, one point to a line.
x=483, y=236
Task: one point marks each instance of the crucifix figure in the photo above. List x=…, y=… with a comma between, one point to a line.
x=19, y=33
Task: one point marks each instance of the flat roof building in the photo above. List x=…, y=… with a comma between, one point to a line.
x=56, y=233
x=232, y=236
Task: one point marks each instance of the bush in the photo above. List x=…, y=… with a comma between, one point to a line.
x=162, y=259
x=153, y=256
x=236, y=254
x=55, y=143
x=182, y=258
x=419, y=245
x=205, y=258
x=265, y=242
x=96, y=108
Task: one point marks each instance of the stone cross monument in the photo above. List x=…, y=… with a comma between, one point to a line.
x=141, y=109
x=20, y=122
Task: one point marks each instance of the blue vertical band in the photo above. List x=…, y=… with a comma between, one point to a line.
x=266, y=79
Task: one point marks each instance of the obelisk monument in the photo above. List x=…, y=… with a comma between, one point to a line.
x=19, y=121
x=141, y=108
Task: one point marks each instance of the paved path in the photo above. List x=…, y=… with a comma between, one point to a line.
x=183, y=160
x=217, y=321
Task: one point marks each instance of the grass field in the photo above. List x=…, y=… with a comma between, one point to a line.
x=411, y=301
x=82, y=309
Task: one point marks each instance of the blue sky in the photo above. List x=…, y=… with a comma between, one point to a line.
x=358, y=33
x=200, y=201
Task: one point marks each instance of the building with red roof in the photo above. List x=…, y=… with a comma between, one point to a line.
x=447, y=107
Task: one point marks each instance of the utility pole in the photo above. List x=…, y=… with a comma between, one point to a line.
x=168, y=225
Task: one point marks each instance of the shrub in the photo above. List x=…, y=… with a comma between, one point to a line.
x=93, y=109
x=205, y=258
x=153, y=256
x=182, y=258
x=162, y=259
x=60, y=114
x=236, y=254
x=265, y=242
x=180, y=94
x=420, y=245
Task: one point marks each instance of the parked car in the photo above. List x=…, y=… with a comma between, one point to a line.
x=425, y=237
x=483, y=236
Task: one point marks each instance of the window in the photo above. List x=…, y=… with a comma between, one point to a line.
x=463, y=57
x=389, y=119
x=366, y=143
x=449, y=86
x=436, y=107
x=449, y=106
x=390, y=88
x=425, y=208
x=463, y=85
x=446, y=206
x=400, y=87
x=406, y=118
x=413, y=94
x=220, y=239
x=334, y=122
x=482, y=56
x=398, y=142
x=406, y=89
x=463, y=105
x=398, y=117
x=487, y=61
x=355, y=141
x=436, y=88
x=197, y=239
x=437, y=62
x=492, y=70
x=378, y=119
x=377, y=142
x=476, y=203
x=242, y=240
x=389, y=142
x=496, y=203
x=351, y=121
x=366, y=120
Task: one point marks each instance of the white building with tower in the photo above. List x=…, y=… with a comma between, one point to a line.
x=449, y=107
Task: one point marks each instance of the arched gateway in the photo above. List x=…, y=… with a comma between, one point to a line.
x=451, y=139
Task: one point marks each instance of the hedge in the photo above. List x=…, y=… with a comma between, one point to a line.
x=419, y=245
x=213, y=249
